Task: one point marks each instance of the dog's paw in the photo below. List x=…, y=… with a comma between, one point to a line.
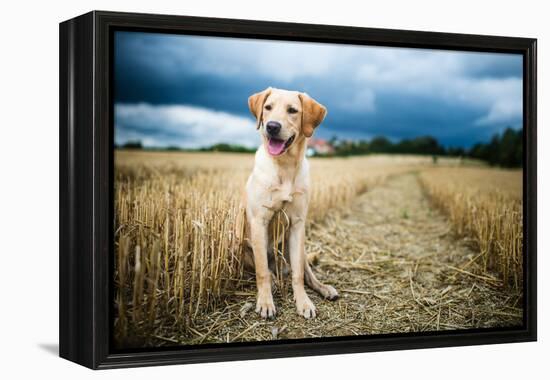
x=265, y=307
x=305, y=308
x=330, y=293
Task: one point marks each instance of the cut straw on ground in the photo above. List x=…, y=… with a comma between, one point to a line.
x=371, y=231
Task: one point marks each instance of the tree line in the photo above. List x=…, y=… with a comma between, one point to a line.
x=504, y=149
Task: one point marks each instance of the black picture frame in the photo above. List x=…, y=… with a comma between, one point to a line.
x=86, y=187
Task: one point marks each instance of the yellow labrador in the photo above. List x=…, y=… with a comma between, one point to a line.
x=280, y=180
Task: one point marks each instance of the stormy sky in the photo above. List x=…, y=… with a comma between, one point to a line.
x=191, y=91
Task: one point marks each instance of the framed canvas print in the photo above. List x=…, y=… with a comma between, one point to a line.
x=236, y=189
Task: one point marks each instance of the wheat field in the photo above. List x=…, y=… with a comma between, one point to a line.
x=485, y=204
x=176, y=252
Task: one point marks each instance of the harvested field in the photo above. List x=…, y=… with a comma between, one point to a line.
x=486, y=205
x=391, y=252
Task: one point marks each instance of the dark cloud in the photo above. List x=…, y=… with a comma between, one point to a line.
x=490, y=65
x=459, y=98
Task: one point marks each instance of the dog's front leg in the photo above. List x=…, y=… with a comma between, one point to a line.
x=258, y=234
x=304, y=306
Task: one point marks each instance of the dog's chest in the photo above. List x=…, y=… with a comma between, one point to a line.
x=280, y=195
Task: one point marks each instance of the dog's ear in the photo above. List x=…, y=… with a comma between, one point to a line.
x=256, y=104
x=313, y=114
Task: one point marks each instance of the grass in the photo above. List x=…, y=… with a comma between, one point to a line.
x=486, y=205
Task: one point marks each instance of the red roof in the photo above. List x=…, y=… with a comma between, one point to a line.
x=320, y=145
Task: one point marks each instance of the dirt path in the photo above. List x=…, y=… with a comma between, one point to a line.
x=398, y=268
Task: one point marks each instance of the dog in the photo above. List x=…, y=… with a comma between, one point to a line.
x=280, y=181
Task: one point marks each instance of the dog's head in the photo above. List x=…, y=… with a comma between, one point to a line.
x=285, y=117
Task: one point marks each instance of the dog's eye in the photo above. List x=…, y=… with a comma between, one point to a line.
x=292, y=110
x=268, y=107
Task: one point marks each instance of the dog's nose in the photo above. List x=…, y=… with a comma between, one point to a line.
x=273, y=128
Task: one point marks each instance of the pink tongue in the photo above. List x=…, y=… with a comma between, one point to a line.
x=275, y=147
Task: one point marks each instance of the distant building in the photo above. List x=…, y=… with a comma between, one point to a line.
x=319, y=147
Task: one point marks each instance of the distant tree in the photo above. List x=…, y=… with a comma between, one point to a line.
x=479, y=151
x=133, y=145
x=456, y=151
x=420, y=145
x=505, y=150
x=510, y=149
x=380, y=144
x=223, y=147
x=493, y=150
